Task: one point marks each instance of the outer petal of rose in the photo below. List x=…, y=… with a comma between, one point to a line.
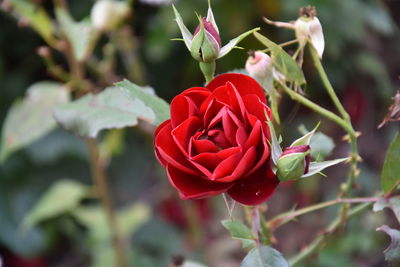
x=194, y=187
x=167, y=152
x=257, y=108
x=256, y=188
x=243, y=83
x=182, y=107
x=258, y=140
x=187, y=104
x=158, y=129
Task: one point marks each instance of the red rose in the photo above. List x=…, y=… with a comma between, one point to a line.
x=217, y=141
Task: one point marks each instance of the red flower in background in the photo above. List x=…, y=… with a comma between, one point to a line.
x=217, y=141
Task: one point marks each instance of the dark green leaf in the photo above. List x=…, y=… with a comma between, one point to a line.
x=158, y=105
x=239, y=231
x=264, y=256
x=59, y=199
x=282, y=61
x=30, y=119
x=392, y=252
x=36, y=17
x=390, y=176
x=112, y=108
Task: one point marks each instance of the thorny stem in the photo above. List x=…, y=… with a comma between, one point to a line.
x=283, y=218
x=353, y=173
x=100, y=181
x=318, y=241
x=345, y=122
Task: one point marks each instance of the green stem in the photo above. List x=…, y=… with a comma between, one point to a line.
x=318, y=241
x=327, y=84
x=100, y=181
x=288, y=216
x=311, y=105
x=208, y=70
x=282, y=45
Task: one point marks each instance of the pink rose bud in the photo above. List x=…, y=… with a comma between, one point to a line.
x=259, y=65
x=293, y=163
x=206, y=42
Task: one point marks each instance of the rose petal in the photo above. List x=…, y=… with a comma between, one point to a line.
x=210, y=110
x=182, y=107
x=257, y=108
x=184, y=132
x=158, y=129
x=241, y=136
x=167, y=151
x=244, y=84
x=197, y=95
x=206, y=162
x=201, y=146
x=194, y=187
x=227, y=166
x=256, y=188
x=245, y=163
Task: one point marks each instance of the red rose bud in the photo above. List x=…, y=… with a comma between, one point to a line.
x=217, y=141
x=293, y=163
x=206, y=42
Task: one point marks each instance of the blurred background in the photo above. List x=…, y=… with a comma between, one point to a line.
x=362, y=59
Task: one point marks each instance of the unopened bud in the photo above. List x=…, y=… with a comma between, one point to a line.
x=44, y=51
x=259, y=65
x=206, y=42
x=293, y=163
x=308, y=29
x=107, y=14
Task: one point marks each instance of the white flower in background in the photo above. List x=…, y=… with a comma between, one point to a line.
x=307, y=28
x=107, y=14
x=158, y=2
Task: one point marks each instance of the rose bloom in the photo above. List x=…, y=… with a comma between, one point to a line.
x=217, y=141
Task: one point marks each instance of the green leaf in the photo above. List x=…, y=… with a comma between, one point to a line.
x=321, y=146
x=276, y=150
x=239, y=231
x=392, y=252
x=316, y=167
x=36, y=16
x=393, y=203
x=81, y=35
x=187, y=36
x=264, y=256
x=390, y=176
x=232, y=43
x=112, y=108
x=31, y=119
x=60, y=198
x=158, y=105
x=129, y=220
x=306, y=139
x=282, y=61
